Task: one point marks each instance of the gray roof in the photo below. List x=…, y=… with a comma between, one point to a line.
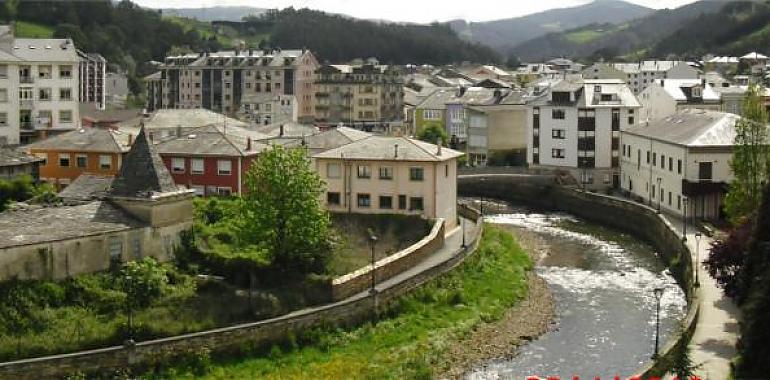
x=14, y=157
x=290, y=129
x=45, y=50
x=143, y=173
x=212, y=141
x=691, y=127
x=45, y=224
x=83, y=140
x=332, y=138
x=87, y=187
x=383, y=148
x=186, y=118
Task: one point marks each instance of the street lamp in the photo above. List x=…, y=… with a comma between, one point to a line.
x=658, y=295
x=660, y=193
x=684, y=220
x=481, y=197
x=697, y=257
x=373, y=242
x=129, y=306
x=462, y=223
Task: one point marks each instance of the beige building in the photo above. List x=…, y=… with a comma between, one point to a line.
x=497, y=131
x=365, y=95
x=391, y=175
x=219, y=81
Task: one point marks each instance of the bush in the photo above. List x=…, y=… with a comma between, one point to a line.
x=727, y=258
x=143, y=281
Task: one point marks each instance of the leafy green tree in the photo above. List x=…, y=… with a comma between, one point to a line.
x=681, y=363
x=431, y=132
x=750, y=158
x=143, y=282
x=282, y=212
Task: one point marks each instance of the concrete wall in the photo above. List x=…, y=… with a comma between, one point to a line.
x=360, y=280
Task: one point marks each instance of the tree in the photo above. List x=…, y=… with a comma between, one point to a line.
x=727, y=259
x=750, y=158
x=143, y=281
x=513, y=62
x=282, y=212
x=431, y=132
x=681, y=362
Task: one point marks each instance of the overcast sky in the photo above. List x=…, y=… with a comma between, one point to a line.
x=409, y=10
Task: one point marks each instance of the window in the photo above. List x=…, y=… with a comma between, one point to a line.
x=65, y=71
x=3, y=95
x=402, y=202
x=431, y=114
x=654, y=159
x=333, y=198
x=44, y=71
x=44, y=94
x=558, y=134
x=196, y=166
x=65, y=116
x=3, y=71
x=662, y=161
x=364, y=171
x=415, y=204
x=3, y=119
x=557, y=153
x=224, y=191
x=670, y=164
x=679, y=166
x=65, y=94
x=386, y=202
x=704, y=171
x=333, y=170
x=630, y=120
x=416, y=174
x=386, y=172
x=364, y=200
x=558, y=114
x=105, y=162
x=224, y=167
x=64, y=160
x=177, y=165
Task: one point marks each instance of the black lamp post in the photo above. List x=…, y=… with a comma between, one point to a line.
x=697, y=257
x=462, y=223
x=684, y=220
x=658, y=295
x=130, y=309
x=660, y=193
x=481, y=197
x=373, y=242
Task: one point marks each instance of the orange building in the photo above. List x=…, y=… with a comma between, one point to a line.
x=86, y=150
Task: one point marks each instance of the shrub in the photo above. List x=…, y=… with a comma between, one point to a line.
x=727, y=258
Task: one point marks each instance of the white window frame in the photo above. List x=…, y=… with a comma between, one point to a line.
x=105, y=161
x=224, y=167
x=333, y=170
x=178, y=165
x=195, y=164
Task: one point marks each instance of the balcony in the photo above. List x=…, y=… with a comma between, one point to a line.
x=26, y=104
x=703, y=187
x=26, y=80
x=26, y=126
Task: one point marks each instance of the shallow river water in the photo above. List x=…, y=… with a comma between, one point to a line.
x=603, y=283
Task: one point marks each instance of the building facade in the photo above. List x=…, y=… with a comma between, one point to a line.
x=93, y=72
x=15, y=163
x=219, y=81
x=639, y=75
x=497, y=132
x=664, y=97
x=265, y=109
x=575, y=126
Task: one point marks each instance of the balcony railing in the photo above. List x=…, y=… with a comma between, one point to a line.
x=27, y=104
x=26, y=79
x=27, y=126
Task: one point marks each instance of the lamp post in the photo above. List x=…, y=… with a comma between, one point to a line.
x=373, y=242
x=658, y=295
x=697, y=257
x=481, y=197
x=684, y=220
x=130, y=309
x=462, y=223
x=660, y=193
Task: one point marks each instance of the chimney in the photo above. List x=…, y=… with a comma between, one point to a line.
x=703, y=82
x=395, y=151
x=280, y=131
x=438, y=146
x=248, y=144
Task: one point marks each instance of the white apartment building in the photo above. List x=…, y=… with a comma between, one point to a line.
x=575, y=126
x=93, y=71
x=265, y=109
x=639, y=75
x=680, y=163
x=664, y=97
x=38, y=87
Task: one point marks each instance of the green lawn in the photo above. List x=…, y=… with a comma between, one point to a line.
x=412, y=335
x=583, y=36
x=26, y=29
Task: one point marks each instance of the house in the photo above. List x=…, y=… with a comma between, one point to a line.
x=681, y=162
x=38, y=87
x=575, y=126
x=90, y=116
x=639, y=75
x=93, y=71
x=142, y=215
x=264, y=109
x=116, y=88
x=330, y=139
x=15, y=163
x=391, y=175
x=86, y=150
x=168, y=123
x=447, y=108
x=497, y=130
x=757, y=62
x=489, y=72
x=564, y=65
x=666, y=96
x=217, y=81
x=211, y=160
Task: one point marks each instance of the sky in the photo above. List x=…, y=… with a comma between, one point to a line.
x=421, y=11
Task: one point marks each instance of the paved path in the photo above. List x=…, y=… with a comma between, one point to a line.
x=713, y=344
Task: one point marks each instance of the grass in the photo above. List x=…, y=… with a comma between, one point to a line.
x=25, y=29
x=583, y=36
x=413, y=333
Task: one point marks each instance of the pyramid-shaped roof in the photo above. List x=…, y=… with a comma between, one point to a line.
x=143, y=173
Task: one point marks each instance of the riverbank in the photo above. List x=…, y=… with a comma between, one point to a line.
x=413, y=334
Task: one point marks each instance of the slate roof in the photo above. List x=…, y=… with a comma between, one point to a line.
x=212, y=140
x=332, y=138
x=87, y=187
x=84, y=140
x=13, y=157
x=384, y=148
x=691, y=127
x=290, y=129
x=674, y=88
x=45, y=50
x=45, y=224
x=143, y=173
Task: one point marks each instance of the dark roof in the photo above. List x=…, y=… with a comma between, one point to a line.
x=691, y=127
x=14, y=157
x=83, y=140
x=213, y=141
x=143, y=173
x=87, y=187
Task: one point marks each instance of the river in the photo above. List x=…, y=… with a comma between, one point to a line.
x=603, y=282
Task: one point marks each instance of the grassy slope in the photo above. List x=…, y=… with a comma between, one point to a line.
x=26, y=29
x=410, y=340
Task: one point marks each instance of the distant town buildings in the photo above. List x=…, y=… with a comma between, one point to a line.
x=15, y=163
x=640, y=75
x=93, y=70
x=666, y=96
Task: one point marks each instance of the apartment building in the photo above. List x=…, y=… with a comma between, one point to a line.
x=265, y=109
x=664, y=97
x=639, y=75
x=575, y=126
x=93, y=71
x=364, y=95
x=497, y=130
x=219, y=81
x=38, y=87
x=681, y=163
